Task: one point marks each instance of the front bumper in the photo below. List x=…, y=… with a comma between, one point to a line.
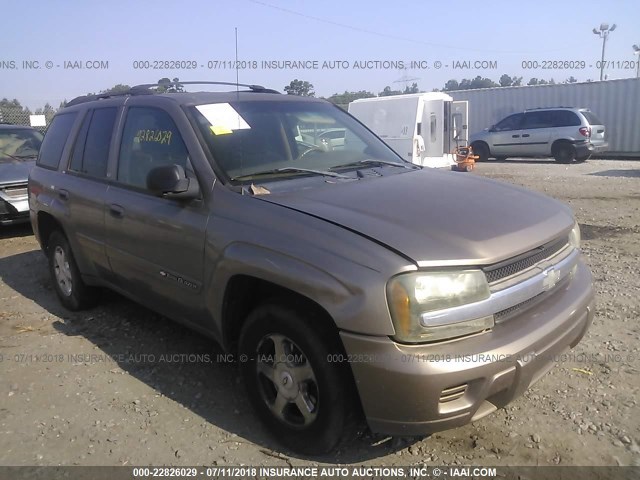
x=14, y=204
x=12, y=211
x=420, y=389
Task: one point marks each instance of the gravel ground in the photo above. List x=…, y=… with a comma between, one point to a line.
x=64, y=402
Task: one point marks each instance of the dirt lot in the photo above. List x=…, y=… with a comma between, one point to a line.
x=60, y=405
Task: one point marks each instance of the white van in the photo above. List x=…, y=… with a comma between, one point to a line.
x=422, y=127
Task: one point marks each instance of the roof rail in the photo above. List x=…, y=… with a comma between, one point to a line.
x=102, y=96
x=253, y=88
x=547, y=108
x=146, y=89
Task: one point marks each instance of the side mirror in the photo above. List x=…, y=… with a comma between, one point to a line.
x=171, y=181
x=492, y=128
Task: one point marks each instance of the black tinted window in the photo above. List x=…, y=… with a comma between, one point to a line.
x=91, y=151
x=512, y=122
x=78, y=147
x=565, y=118
x=592, y=118
x=542, y=119
x=150, y=139
x=96, y=150
x=55, y=140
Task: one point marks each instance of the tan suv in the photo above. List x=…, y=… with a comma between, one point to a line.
x=350, y=283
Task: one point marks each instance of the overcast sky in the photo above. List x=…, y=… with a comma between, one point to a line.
x=120, y=32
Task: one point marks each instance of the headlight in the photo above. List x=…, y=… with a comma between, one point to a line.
x=411, y=295
x=574, y=236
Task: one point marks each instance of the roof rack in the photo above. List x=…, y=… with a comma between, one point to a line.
x=253, y=88
x=102, y=96
x=547, y=108
x=147, y=89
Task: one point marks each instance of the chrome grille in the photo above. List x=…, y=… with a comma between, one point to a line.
x=511, y=312
x=520, y=263
x=15, y=191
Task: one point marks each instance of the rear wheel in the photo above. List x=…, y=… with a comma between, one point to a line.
x=72, y=291
x=304, y=398
x=564, y=153
x=481, y=150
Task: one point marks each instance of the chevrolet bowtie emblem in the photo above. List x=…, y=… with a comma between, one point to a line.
x=551, y=278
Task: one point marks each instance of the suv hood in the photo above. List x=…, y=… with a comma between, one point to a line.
x=437, y=218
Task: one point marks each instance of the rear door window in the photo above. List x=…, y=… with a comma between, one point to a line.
x=91, y=151
x=542, y=119
x=55, y=139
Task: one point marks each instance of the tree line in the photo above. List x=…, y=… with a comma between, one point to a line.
x=305, y=88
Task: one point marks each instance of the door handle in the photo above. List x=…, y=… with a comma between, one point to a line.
x=116, y=210
x=515, y=136
x=525, y=135
x=63, y=195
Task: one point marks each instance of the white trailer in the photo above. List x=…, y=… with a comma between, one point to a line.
x=423, y=128
x=615, y=102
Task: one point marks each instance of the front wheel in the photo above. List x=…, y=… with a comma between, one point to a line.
x=68, y=284
x=303, y=398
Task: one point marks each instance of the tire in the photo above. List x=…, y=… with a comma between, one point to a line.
x=481, y=150
x=73, y=293
x=306, y=401
x=564, y=153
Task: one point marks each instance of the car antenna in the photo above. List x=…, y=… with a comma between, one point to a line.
x=238, y=102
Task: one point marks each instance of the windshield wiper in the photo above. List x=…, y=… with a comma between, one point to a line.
x=19, y=157
x=325, y=173
x=373, y=161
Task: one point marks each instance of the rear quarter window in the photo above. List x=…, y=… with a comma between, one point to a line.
x=55, y=139
x=566, y=118
x=592, y=118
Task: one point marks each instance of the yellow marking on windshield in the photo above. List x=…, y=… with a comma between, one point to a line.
x=220, y=130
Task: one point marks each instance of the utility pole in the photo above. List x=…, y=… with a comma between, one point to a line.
x=636, y=51
x=603, y=33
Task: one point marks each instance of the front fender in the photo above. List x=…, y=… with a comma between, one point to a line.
x=351, y=305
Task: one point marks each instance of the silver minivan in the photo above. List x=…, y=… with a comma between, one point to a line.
x=564, y=133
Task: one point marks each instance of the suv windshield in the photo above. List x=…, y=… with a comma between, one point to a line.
x=284, y=137
x=19, y=143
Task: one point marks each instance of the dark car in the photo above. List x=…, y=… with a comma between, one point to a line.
x=19, y=146
x=348, y=281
